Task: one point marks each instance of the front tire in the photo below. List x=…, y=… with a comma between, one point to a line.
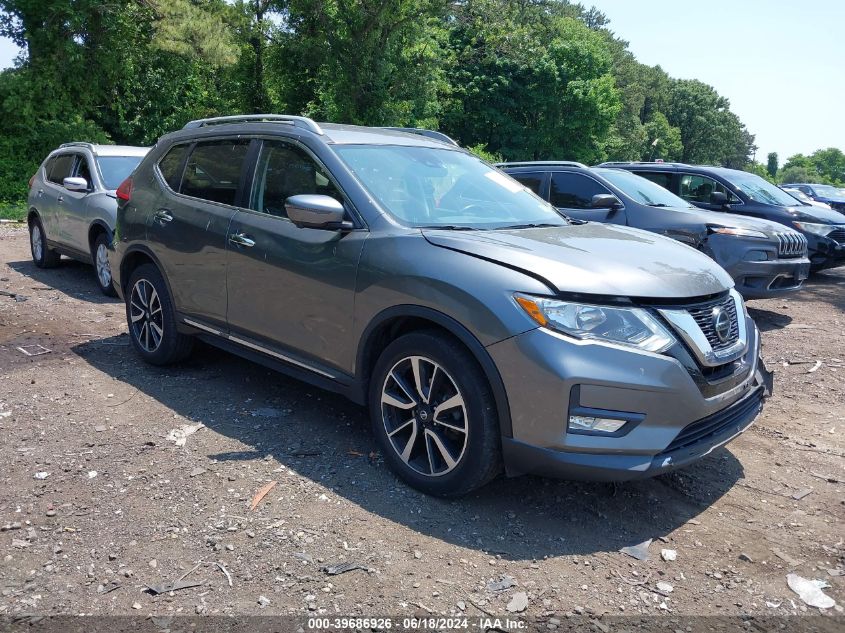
x=434, y=416
x=42, y=255
x=100, y=257
x=152, y=319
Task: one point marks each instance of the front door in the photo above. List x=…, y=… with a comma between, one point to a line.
x=75, y=209
x=187, y=226
x=291, y=289
x=573, y=193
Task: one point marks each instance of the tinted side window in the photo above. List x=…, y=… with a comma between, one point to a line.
x=214, y=170
x=533, y=180
x=662, y=178
x=574, y=191
x=285, y=170
x=698, y=189
x=171, y=166
x=61, y=168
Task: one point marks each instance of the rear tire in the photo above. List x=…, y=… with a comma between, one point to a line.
x=434, y=415
x=152, y=319
x=100, y=257
x=42, y=255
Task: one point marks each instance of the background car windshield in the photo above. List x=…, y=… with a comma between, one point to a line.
x=761, y=190
x=827, y=191
x=641, y=189
x=797, y=193
x=430, y=187
x=116, y=169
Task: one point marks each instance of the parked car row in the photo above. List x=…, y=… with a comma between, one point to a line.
x=484, y=329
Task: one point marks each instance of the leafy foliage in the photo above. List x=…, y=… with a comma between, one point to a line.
x=529, y=79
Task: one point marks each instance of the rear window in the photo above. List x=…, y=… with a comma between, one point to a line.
x=214, y=170
x=171, y=166
x=60, y=168
x=533, y=181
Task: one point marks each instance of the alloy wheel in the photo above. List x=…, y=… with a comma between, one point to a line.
x=35, y=240
x=146, y=316
x=103, y=268
x=424, y=416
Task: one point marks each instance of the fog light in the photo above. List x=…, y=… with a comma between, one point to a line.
x=756, y=256
x=595, y=425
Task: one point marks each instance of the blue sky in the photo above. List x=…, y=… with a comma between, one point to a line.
x=781, y=63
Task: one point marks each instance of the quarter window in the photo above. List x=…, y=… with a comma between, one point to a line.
x=574, y=191
x=61, y=168
x=533, y=181
x=699, y=188
x=285, y=170
x=214, y=170
x=664, y=179
x=171, y=166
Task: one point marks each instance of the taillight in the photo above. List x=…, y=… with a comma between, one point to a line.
x=124, y=191
x=32, y=180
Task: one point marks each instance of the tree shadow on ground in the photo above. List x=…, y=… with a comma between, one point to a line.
x=326, y=438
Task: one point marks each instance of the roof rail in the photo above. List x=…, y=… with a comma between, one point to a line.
x=543, y=163
x=298, y=121
x=609, y=163
x=78, y=144
x=437, y=136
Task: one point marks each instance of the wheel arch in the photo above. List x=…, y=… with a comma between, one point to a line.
x=396, y=321
x=97, y=227
x=138, y=256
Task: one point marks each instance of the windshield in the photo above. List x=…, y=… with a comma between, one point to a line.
x=827, y=191
x=429, y=187
x=760, y=190
x=797, y=193
x=641, y=189
x=116, y=169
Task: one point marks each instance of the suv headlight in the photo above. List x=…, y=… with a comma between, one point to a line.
x=739, y=232
x=632, y=327
x=817, y=229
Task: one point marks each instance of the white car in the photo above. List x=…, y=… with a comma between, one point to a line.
x=803, y=197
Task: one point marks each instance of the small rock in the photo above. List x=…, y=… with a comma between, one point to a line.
x=41, y=475
x=196, y=472
x=668, y=554
x=92, y=474
x=136, y=605
x=639, y=551
x=19, y=543
x=11, y=526
x=462, y=605
x=51, y=513
x=745, y=557
x=417, y=554
x=112, y=556
x=100, y=428
x=264, y=601
x=518, y=603
x=665, y=587
x=153, y=563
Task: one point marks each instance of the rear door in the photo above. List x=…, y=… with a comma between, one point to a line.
x=51, y=201
x=573, y=192
x=188, y=225
x=291, y=290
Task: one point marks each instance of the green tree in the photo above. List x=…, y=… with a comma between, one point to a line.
x=772, y=165
x=662, y=140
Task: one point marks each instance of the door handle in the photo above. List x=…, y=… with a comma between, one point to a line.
x=163, y=216
x=61, y=199
x=239, y=239
x=40, y=192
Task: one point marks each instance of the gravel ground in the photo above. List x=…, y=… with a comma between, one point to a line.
x=98, y=501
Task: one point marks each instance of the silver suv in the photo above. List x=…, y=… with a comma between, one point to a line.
x=481, y=327
x=72, y=204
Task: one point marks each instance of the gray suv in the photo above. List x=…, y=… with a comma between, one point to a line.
x=482, y=329
x=72, y=204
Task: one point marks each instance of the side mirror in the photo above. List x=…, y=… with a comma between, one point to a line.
x=605, y=201
x=719, y=199
x=75, y=184
x=311, y=211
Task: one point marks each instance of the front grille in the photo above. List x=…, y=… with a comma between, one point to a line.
x=838, y=235
x=792, y=244
x=715, y=424
x=703, y=315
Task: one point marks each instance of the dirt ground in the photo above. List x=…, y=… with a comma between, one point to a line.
x=98, y=501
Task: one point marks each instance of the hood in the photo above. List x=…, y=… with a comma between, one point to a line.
x=812, y=213
x=595, y=259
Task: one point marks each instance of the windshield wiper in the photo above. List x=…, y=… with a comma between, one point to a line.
x=450, y=227
x=657, y=204
x=530, y=225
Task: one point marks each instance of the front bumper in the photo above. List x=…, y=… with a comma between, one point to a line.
x=677, y=424
x=755, y=279
x=825, y=252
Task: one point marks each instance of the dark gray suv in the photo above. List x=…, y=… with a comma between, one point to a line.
x=482, y=329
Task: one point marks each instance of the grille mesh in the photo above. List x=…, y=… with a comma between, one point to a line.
x=703, y=315
x=838, y=235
